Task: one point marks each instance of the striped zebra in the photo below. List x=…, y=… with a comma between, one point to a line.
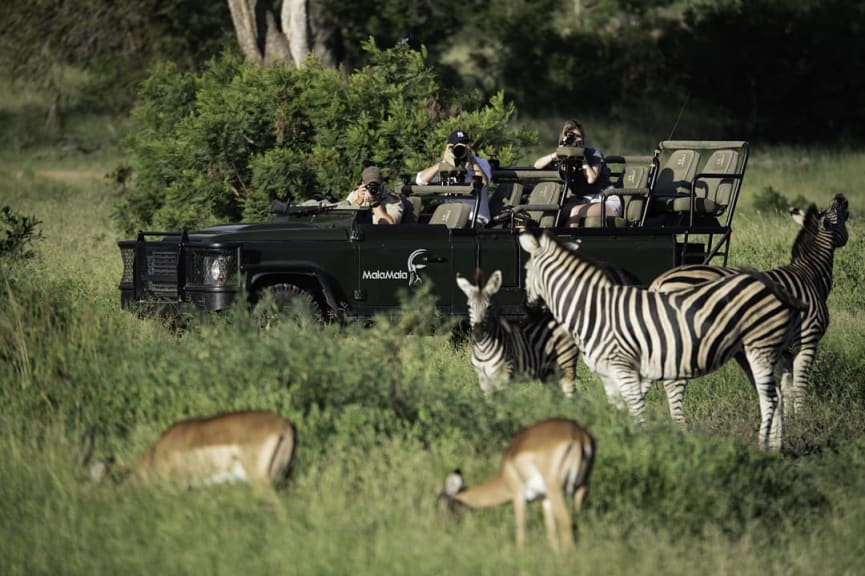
x=808, y=277
x=632, y=337
x=537, y=347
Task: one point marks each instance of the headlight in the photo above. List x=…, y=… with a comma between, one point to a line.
x=217, y=269
x=213, y=267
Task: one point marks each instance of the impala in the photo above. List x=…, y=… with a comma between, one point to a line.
x=255, y=447
x=550, y=461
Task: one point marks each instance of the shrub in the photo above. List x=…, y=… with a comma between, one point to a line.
x=221, y=145
x=19, y=233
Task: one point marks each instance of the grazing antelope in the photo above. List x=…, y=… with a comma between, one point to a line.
x=549, y=461
x=255, y=447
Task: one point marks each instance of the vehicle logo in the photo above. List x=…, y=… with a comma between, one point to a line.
x=414, y=278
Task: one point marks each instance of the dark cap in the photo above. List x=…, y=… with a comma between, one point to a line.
x=457, y=137
x=371, y=174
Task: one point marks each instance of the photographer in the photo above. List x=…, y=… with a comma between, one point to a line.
x=459, y=157
x=386, y=207
x=593, y=178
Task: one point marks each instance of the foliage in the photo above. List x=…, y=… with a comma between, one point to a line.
x=770, y=200
x=20, y=232
x=221, y=145
x=45, y=42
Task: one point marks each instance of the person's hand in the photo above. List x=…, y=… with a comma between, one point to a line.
x=363, y=197
x=448, y=156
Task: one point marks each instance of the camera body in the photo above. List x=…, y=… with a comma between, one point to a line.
x=570, y=139
x=374, y=189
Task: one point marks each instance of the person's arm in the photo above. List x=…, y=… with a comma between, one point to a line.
x=427, y=175
x=358, y=196
x=592, y=165
x=545, y=161
x=380, y=214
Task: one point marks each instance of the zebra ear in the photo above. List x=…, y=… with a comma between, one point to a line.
x=798, y=216
x=494, y=283
x=529, y=242
x=465, y=285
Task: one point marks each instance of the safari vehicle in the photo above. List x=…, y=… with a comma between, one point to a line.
x=678, y=208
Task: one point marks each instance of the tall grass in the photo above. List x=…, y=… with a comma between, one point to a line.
x=384, y=415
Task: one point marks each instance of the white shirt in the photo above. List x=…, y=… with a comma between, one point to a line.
x=484, y=210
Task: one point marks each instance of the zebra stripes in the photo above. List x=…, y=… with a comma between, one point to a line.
x=538, y=347
x=631, y=336
x=808, y=277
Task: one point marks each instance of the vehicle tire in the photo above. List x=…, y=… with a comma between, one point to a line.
x=288, y=302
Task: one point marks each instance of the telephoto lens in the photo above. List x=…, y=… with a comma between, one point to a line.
x=459, y=152
x=372, y=188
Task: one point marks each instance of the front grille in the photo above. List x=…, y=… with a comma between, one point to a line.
x=160, y=277
x=162, y=262
x=128, y=256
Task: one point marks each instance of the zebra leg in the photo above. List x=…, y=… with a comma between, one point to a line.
x=614, y=394
x=568, y=378
x=802, y=364
x=761, y=372
x=675, y=390
x=630, y=384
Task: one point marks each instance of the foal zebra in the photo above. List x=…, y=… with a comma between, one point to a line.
x=808, y=277
x=631, y=336
x=501, y=349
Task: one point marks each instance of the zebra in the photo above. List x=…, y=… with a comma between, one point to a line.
x=631, y=337
x=537, y=347
x=808, y=277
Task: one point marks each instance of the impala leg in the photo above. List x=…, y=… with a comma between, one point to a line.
x=550, y=522
x=520, y=519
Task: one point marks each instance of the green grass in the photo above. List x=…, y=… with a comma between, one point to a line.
x=383, y=417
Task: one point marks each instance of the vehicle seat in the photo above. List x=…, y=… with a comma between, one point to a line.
x=411, y=207
x=451, y=214
x=633, y=188
x=676, y=176
x=543, y=203
x=712, y=195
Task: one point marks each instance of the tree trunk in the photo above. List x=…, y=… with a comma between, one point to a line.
x=260, y=39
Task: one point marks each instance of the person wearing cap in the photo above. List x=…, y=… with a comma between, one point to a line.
x=586, y=192
x=458, y=153
x=386, y=206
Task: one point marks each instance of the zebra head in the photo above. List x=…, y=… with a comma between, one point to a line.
x=535, y=246
x=826, y=227
x=479, y=298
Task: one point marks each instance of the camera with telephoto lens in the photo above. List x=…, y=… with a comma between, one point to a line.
x=570, y=139
x=461, y=152
x=373, y=189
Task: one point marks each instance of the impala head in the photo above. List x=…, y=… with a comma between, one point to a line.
x=479, y=298
x=831, y=223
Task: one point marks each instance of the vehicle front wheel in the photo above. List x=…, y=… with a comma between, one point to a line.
x=288, y=302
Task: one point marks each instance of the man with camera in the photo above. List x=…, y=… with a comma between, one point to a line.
x=592, y=177
x=386, y=207
x=460, y=160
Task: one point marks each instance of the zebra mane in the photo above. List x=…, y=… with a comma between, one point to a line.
x=834, y=218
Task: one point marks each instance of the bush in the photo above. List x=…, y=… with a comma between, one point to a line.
x=19, y=234
x=222, y=145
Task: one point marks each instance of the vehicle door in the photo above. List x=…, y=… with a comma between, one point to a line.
x=402, y=258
